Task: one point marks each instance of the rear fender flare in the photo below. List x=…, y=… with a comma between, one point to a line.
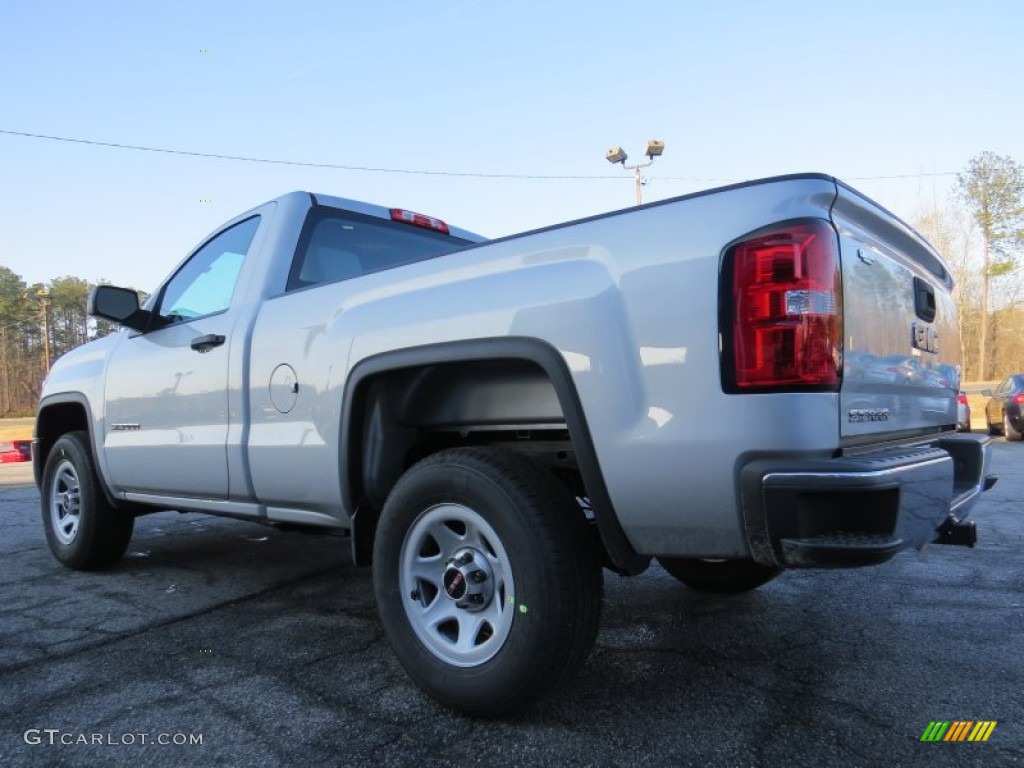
x=364, y=519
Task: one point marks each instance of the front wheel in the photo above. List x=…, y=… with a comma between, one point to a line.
x=487, y=583
x=82, y=529
x=727, y=577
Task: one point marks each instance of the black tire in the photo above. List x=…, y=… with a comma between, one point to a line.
x=724, y=577
x=83, y=530
x=1012, y=435
x=540, y=620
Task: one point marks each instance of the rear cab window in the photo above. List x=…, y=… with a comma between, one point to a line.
x=339, y=245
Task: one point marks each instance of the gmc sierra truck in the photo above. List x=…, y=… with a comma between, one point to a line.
x=735, y=382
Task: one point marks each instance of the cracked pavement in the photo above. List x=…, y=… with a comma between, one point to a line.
x=267, y=644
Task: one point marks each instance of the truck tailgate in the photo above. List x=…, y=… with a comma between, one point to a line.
x=901, y=366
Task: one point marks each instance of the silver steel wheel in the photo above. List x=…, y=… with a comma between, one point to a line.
x=478, y=631
x=456, y=584
x=65, y=503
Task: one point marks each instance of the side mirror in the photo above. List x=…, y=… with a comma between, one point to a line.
x=987, y=392
x=120, y=305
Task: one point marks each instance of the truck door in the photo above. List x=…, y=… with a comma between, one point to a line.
x=167, y=414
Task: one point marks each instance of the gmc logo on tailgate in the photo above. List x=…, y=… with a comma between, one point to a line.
x=924, y=337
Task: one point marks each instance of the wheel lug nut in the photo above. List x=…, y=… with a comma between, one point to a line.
x=478, y=577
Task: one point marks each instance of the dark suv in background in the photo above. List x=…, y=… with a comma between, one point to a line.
x=1004, y=411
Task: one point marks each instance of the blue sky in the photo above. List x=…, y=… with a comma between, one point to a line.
x=737, y=90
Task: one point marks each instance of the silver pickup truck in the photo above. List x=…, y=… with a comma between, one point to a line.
x=735, y=382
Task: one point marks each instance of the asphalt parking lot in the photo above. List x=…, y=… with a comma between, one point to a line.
x=265, y=647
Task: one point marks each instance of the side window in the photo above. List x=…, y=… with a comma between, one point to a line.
x=205, y=284
x=1005, y=387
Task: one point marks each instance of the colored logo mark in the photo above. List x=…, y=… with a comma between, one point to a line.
x=958, y=730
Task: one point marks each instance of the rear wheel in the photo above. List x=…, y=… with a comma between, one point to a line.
x=1008, y=430
x=719, y=576
x=82, y=529
x=487, y=585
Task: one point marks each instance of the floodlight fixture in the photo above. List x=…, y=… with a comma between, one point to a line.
x=616, y=155
x=655, y=148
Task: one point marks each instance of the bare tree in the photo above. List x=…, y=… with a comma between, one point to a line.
x=951, y=231
x=992, y=187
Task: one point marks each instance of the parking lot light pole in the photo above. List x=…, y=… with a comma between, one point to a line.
x=654, y=149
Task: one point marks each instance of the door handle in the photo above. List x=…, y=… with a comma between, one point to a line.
x=207, y=342
x=924, y=300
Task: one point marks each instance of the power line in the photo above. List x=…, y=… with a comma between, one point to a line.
x=407, y=171
x=304, y=164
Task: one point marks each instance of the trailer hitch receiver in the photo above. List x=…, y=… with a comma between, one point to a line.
x=960, y=533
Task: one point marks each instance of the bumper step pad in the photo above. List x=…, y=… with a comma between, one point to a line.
x=840, y=550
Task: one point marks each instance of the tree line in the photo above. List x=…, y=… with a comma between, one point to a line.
x=980, y=232
x=38, y=324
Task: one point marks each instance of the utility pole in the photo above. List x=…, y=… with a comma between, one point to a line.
x=43, y=295
x=5, y=399
x=654, y=149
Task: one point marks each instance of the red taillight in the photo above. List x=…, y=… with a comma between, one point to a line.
x=1018, y=399
x=786, y=310
x=962, y=399
x=418, y=220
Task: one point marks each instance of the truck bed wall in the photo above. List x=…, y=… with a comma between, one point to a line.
x=630, y=301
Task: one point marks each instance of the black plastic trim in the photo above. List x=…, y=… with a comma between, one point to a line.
x=620, y=551
x=889, y=494
x=924, y=300
x=839, y=551
x=62, y=398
